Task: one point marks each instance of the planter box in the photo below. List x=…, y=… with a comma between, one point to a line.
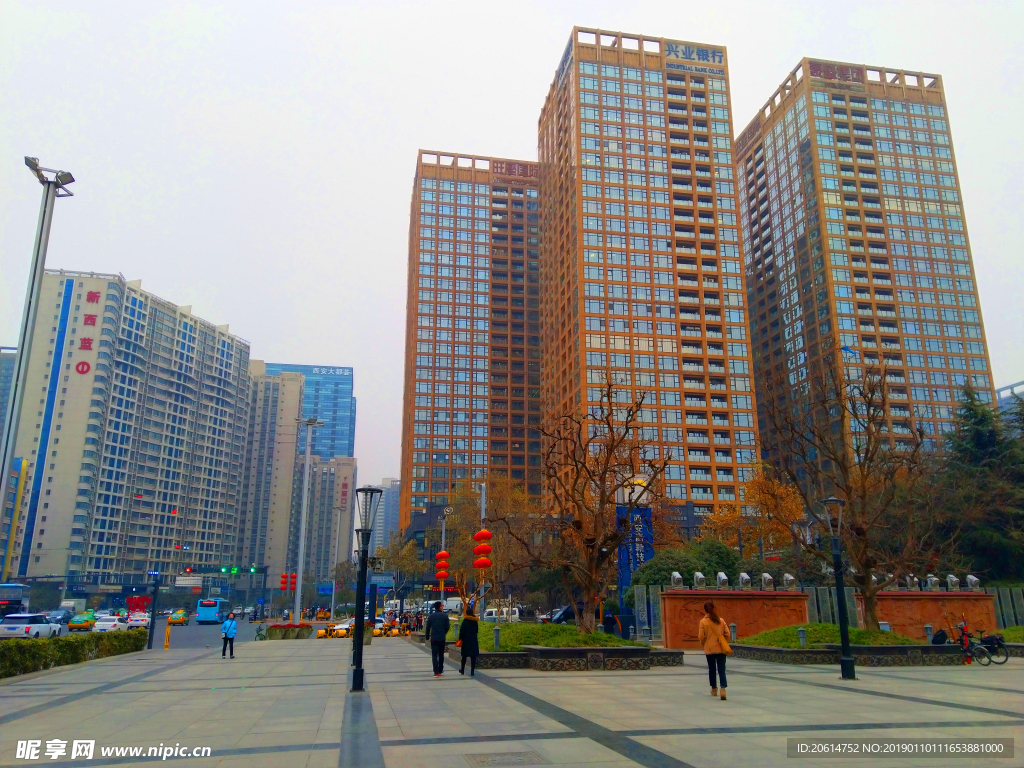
x=585, y=659
x=864, y=655
x=663, y=657
x=500, y=660
x=289, y=633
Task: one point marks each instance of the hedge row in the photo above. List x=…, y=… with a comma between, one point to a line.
x=19, y=656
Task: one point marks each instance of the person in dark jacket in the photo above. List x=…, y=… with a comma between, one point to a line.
x=436, y=630
x=469, y=638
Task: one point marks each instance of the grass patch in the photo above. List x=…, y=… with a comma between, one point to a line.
x=1011, y=634
x=820, y=634
x=514, y=636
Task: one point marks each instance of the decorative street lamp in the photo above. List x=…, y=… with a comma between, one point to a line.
x=846, y=661
x=369, y=499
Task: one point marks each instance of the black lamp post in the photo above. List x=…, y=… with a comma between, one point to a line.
x=846, y=662
x=369, y=498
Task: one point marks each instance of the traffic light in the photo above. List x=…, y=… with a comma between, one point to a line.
x=295, y=577
x=284, y=582
x=223, y=569
x=188, y=569
x=234, y=569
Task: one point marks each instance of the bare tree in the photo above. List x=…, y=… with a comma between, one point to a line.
x=594, y=461
x=845, y=431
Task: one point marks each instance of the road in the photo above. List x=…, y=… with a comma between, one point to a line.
x=201, y=635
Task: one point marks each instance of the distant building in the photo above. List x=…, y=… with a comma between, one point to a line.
x=1005, y=395
x=386, y=522
x=11, y=516
x=332, y=484
x=327, y=396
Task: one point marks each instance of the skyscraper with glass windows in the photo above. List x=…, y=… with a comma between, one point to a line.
x=327, y=396
x=855, y=239
x=641, y=279
x=472, y=350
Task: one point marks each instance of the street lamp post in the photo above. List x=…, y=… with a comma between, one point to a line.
x=310, y=423
x=53, y=187
x=846, y=661
x=369, y=498
x=334, y=561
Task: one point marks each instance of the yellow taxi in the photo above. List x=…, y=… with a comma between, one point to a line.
x=82, y=621
x=178, y=617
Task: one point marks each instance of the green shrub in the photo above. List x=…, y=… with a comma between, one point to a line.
x=1011, y=634
x=18, y=657
x=514, y=636
x=821, y=634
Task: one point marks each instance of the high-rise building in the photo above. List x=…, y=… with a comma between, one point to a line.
x=327, y=396
x=12, y=512
x=387, y=521
x=270, y=462
x=855, y=239
x=1006, y=396
x=329, y=515
x=640, y=255
x=133, y=425
x=472, y=348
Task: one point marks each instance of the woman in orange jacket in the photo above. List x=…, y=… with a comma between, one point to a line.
x=710, y=634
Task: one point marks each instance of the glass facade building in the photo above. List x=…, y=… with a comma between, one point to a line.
x=328, y=396
x=472, y=350
x=641, y=262
x=855, y=240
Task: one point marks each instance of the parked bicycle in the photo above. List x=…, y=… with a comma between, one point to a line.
x=996, y=647
x=971, y=648
x=261, y=631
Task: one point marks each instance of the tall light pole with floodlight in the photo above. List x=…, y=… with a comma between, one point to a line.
x=846, y=661
x=368, y=500
x=310, y=423
x=54, y=185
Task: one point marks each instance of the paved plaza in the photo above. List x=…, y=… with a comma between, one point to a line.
x=287, y=704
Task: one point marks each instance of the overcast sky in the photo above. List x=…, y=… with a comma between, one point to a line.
x=255, y=160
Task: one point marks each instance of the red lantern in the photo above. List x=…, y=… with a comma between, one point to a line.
x=442, y=555
x=442, y=565
x=482, y=549
x=441, y=575
x=483, y=535
x=481, y=563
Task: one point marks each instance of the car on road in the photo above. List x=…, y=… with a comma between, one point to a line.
x=138, y=620
x=32, y=625
x=82, y=621
x=110, y=624
x=178, y=617
x=60, y=616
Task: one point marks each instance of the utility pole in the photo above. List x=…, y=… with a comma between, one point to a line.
x=310, y=423
x=52, y=189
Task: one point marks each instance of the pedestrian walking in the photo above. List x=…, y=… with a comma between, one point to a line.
x=436, y=630
x=712, y=634
x=228, y=630
x=469, y=640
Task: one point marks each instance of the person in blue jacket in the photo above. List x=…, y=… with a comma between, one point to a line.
x=228, y=630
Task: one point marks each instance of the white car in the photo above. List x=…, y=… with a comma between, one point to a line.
x=138, y=620
x=110, y=624
x=34, y=625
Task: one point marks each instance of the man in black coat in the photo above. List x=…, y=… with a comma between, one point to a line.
x=436, y=629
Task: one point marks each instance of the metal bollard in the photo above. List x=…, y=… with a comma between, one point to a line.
x=928, y=632
x=732, y=632
x=801, y=633
x=167, y=636
x=497, y=638
x=632, y=633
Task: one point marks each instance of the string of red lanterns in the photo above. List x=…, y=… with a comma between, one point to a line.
x=482, y=549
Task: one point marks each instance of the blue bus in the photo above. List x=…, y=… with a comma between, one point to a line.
x=212, y=610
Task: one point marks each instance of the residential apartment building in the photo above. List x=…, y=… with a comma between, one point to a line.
x=329, y=516
x=855, y=239
x=133, y=425
x=328, y=397
x=641, y=260
x=472, y=351
x=276, y=403
x=12, y=510
x=7, y=358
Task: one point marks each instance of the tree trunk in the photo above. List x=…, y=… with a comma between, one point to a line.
x=870, y=605
x=586, y=620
